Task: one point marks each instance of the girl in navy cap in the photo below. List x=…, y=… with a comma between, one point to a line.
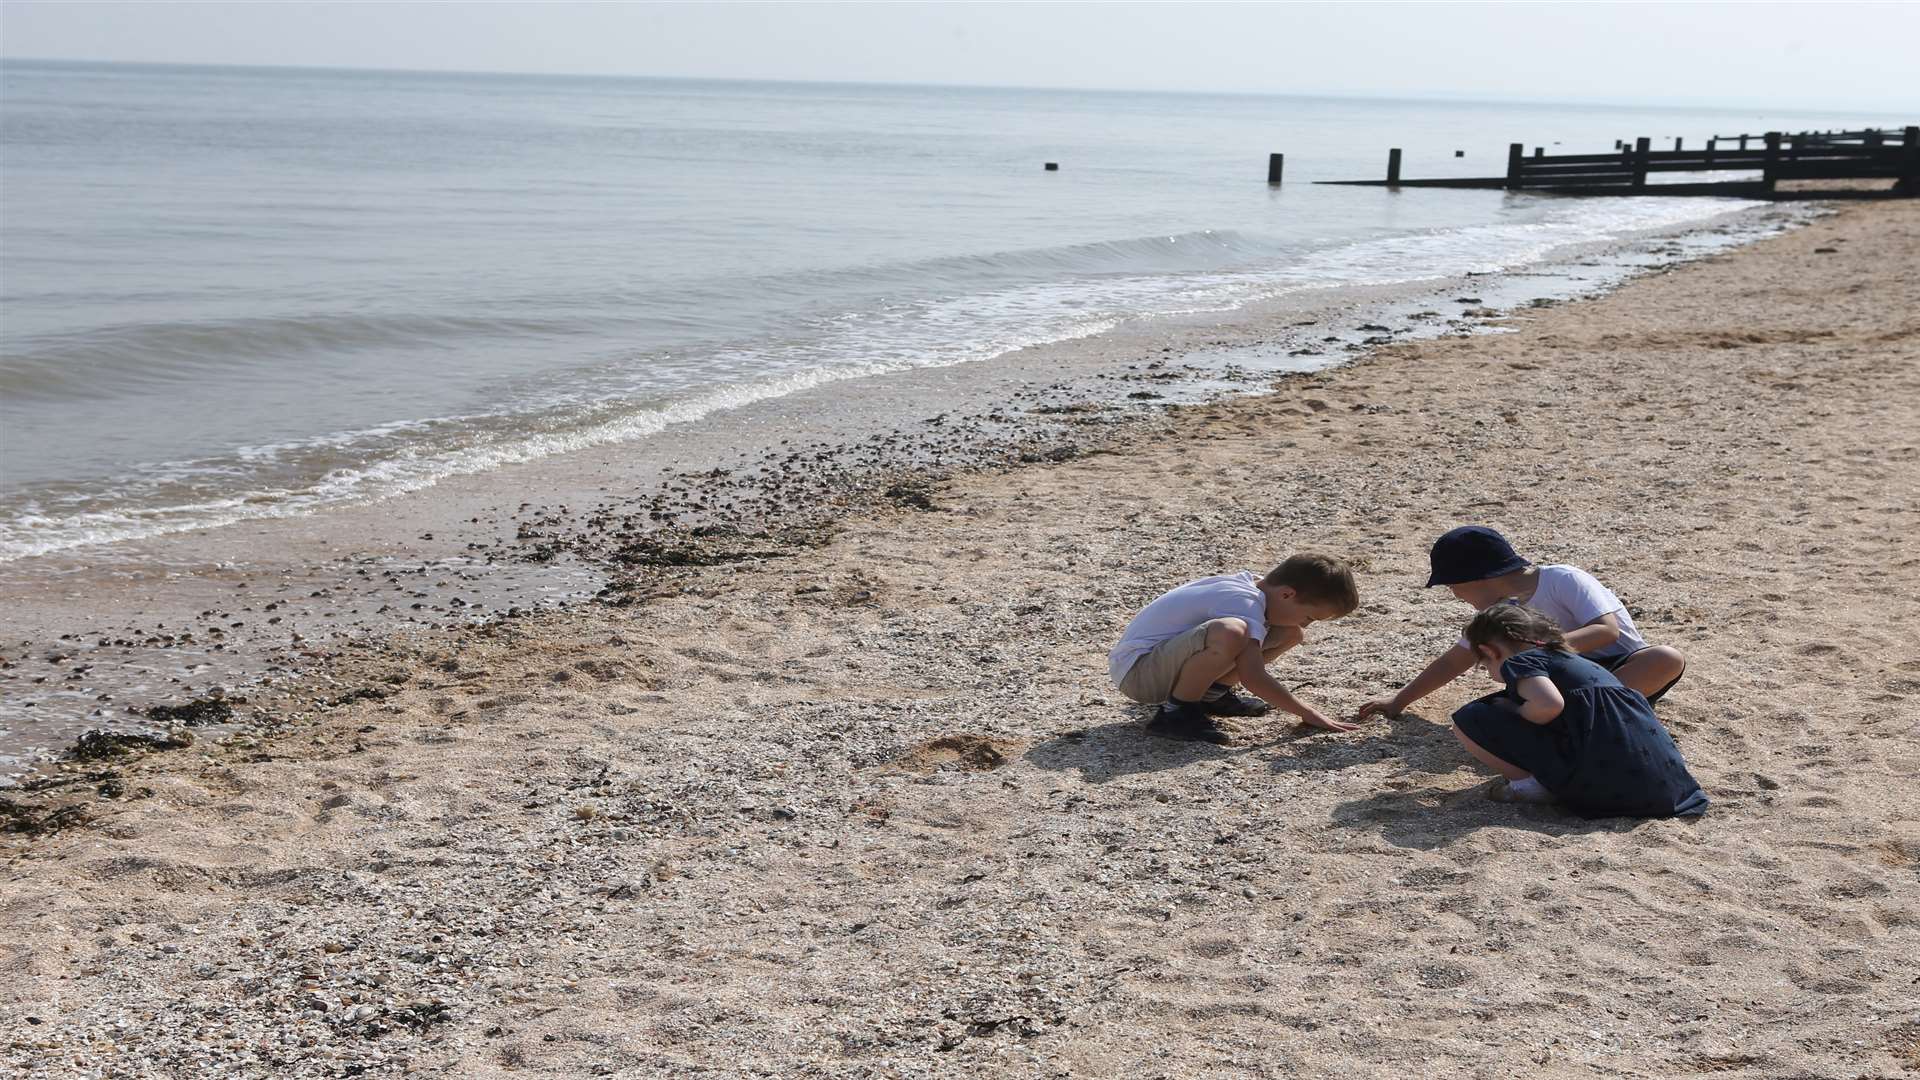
x=1565, y=729
x=1481, y=568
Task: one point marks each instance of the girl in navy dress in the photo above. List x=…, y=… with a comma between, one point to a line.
x=1564, y=729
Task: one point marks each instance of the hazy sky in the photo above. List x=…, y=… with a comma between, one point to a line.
x=1851, y=55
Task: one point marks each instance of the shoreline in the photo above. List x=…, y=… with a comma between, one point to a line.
x=872, y=810
x=239, y=610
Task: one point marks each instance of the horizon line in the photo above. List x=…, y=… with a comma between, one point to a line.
x=1451, y=97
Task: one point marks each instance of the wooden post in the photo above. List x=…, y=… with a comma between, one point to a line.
x=1676, y=143
x=1909, y=182
x=1539, y=151
x=1276, y=163
x=1743, y=142
x=1515, y=165
x=1393, y=166
x=1640, y=146
x=1875, y=138
x=1770, y=168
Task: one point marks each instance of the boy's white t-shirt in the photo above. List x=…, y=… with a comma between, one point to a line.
x=1572, y=598
x=1172, y=613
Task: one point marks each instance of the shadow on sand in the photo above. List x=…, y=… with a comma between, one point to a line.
x=1429, y=818
x=1425, y=818
x=1123, y=748
x=1417, y=743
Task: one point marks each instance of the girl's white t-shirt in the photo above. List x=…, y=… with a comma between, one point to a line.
x=1572, y=598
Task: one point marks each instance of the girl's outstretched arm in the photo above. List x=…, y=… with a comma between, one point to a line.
x=1540, y=700
x=1448, y=666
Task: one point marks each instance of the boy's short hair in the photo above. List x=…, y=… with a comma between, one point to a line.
x=1317, y=579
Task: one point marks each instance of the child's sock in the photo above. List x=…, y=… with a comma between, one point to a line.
x=1529, y=789
x=1174, y=705
x=1216, y=692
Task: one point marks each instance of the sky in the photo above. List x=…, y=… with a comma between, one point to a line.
x=1784, y=55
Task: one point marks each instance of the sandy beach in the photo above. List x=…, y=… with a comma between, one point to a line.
x=870, y=808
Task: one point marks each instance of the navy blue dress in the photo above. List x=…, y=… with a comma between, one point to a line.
x=1605, y=755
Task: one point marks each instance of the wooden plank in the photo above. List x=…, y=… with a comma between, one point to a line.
x=1748, y=189
x=1446, y=182
x=1620, y=180
x=1515, y=165
x=1668, y=155
x=1719, y=188
x=1579, y=159
x=1827, y=151
x=1836, y=165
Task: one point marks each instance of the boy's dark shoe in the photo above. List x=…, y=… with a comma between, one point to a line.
x=1230, y=703
x=1188, y=722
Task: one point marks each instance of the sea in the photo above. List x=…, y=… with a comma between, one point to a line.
x=232, y=293
x=229, y=295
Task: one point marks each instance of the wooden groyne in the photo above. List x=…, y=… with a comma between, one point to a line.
x=1873, y=154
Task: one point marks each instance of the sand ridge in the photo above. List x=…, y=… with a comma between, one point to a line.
x=873, y=810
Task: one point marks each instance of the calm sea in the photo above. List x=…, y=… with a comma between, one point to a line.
x=233, y=293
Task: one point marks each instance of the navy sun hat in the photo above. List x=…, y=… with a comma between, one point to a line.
x=1472, y=553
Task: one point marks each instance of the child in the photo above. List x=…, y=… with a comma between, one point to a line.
x=1480, y=567
x=1187, y=649
x=1565, y=729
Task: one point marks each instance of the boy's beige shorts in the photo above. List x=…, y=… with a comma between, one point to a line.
x=1150, y=680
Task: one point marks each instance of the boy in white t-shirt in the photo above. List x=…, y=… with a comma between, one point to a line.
x=1481, y=568
x=1187, y=649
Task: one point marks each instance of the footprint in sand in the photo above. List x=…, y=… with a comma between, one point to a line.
x=967, y=753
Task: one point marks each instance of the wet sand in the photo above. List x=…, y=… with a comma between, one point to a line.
x=860, y=802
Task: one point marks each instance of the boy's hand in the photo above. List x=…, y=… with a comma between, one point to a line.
x=1380, y=707
x=1312, y=717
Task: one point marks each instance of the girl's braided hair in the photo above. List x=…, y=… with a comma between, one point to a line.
x=1517, y=623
